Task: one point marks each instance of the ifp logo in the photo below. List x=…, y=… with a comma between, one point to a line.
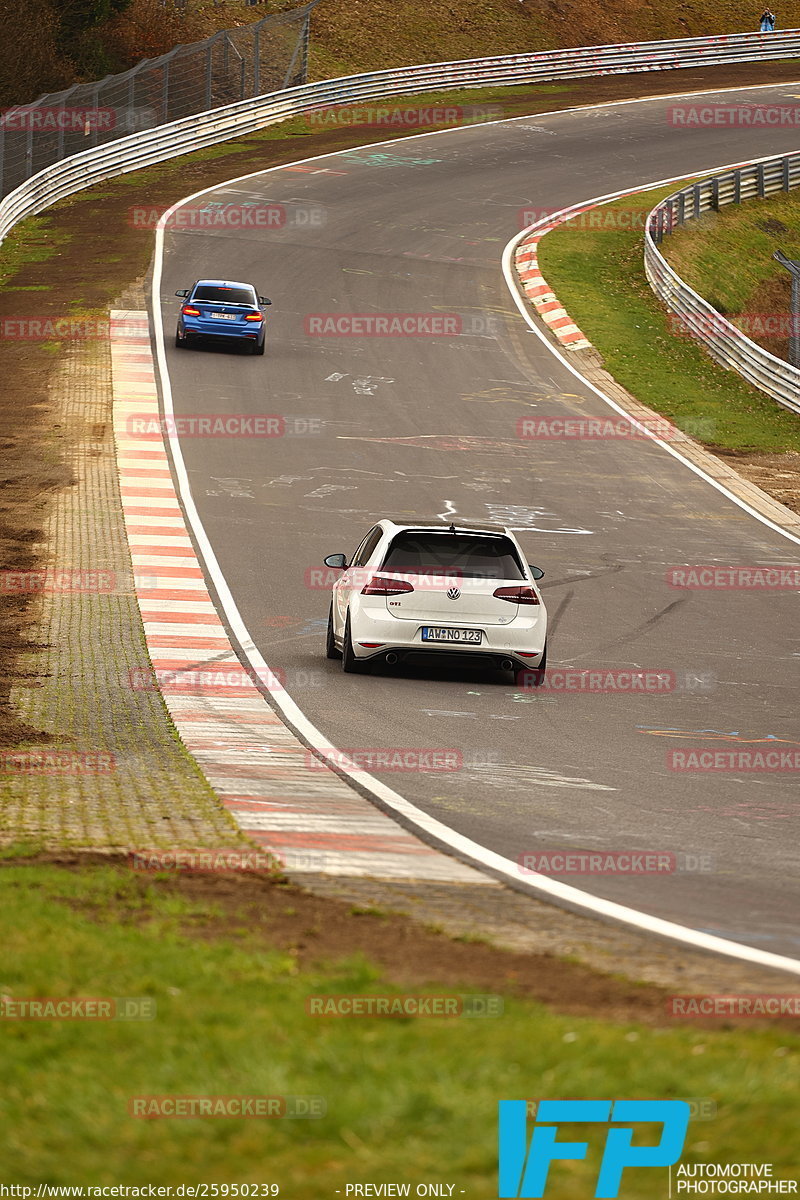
x=523, y=1171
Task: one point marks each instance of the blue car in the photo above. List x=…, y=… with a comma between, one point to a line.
x=222, y=311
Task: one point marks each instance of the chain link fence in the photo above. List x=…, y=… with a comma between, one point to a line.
x=234, y=64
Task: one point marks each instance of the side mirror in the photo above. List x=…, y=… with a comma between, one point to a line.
x=337, y=561
x=264, y=300
x=183, y=294
x=536, y=572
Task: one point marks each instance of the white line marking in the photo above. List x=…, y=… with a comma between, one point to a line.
x=463, y=847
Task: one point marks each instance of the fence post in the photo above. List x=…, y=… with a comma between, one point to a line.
x=257, y=60
x=165, y=92
x=29, y=151
x=95, y=106
x=209, y=69
x=306, y=35
x=793, y=267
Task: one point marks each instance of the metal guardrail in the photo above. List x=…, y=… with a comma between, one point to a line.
x=726, y=344
x=151, y=146
x=231, y=65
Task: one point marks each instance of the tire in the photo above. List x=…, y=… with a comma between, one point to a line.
x=259, y=349
x=350, y=664
x=179, y=343
x=331, y=649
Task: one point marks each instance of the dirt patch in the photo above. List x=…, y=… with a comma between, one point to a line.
x=43, y=278
x=271, y=913
x=777, y=474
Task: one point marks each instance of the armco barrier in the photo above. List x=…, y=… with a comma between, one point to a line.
x=724, y=342
x=193, y=133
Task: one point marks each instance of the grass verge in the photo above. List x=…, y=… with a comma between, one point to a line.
x=728, y=258
x=598, y=275
x=407, y=1099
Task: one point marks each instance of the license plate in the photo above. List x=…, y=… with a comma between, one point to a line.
x=435, y=633
x=223, y=316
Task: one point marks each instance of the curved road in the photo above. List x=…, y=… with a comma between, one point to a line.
x=426, y=426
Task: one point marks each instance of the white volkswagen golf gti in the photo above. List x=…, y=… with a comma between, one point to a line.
x=433, y=589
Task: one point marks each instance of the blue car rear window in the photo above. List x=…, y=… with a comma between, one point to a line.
x=225, y=295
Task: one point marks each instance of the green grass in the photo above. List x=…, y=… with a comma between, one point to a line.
x=598, y=275
x=406, y=1099
x=727, y=256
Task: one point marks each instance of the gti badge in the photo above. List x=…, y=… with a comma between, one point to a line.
x=453, y=593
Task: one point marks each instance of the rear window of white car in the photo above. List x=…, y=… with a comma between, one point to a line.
x=471, y=555
x=225, y=295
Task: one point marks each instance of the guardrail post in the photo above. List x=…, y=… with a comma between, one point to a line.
x=786, y=174
x=697, y=200
x=681, y=207
x=715, y=194
x=760, y=188
x=737, y=187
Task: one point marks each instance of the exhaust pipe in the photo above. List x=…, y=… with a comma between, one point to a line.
x=391, y=658
x=506, y=664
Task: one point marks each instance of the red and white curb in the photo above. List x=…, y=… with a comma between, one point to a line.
x=538, y=291
x=289, y=802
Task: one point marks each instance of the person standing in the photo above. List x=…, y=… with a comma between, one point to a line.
x=767, y=21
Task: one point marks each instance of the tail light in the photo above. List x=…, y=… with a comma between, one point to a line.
x=189, y=310
x=517, y=595
x=253, y=317
x=385, y=585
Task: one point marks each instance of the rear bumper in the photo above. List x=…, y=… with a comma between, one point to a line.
x=489, y=658
x=212, y=331
x=521, y=642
